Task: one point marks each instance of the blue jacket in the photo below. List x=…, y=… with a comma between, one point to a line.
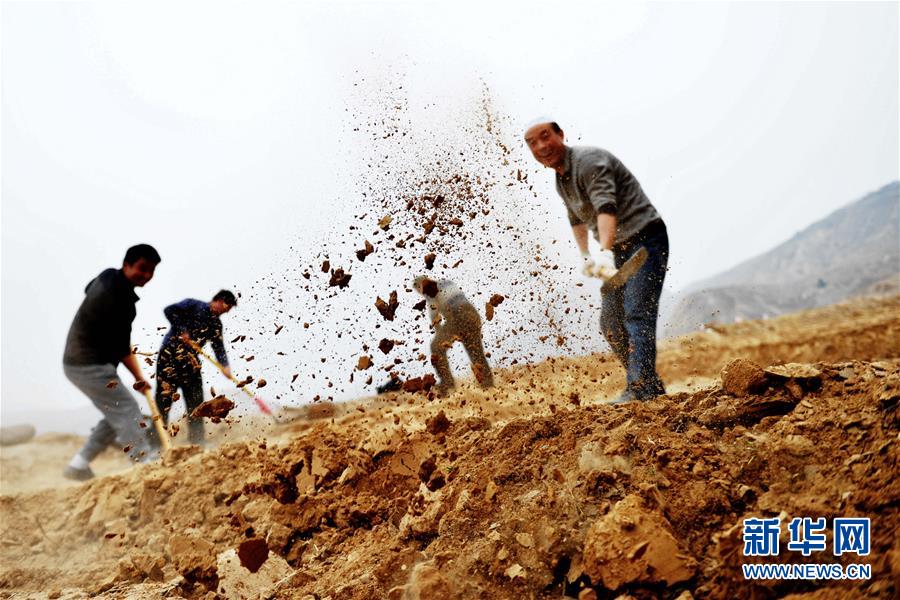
x=196, y=319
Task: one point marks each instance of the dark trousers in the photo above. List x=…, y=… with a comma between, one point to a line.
x=628, y=314
x=461, y=323
x=191, y=386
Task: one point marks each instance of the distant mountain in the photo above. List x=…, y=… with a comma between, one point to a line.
x=853, y=251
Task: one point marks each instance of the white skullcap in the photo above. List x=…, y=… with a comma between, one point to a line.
x=539, y=121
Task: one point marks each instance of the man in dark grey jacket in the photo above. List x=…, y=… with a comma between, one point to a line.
x=99, y=339
x=603, y=197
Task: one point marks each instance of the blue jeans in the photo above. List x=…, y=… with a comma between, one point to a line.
x=628, y=314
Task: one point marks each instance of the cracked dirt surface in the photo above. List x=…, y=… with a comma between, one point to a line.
x=535, y=489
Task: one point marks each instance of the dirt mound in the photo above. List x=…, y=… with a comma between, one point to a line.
x=631, y=498
x=17, y=434
x=509, y=493
x=633, y=545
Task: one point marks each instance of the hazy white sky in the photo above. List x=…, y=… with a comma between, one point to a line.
x=218, y=131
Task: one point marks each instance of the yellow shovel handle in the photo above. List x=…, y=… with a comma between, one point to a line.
x=219, y=366
x=158, y=421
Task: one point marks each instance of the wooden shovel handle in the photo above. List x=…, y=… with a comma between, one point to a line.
x=157, y=419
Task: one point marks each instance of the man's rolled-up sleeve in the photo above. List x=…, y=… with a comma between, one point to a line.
x=219, y=348
x=218, y=343
x=600, y=185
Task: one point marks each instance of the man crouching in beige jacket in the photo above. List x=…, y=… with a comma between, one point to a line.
x=454, y=319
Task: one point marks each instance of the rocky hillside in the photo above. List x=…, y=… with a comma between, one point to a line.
x=852, y=251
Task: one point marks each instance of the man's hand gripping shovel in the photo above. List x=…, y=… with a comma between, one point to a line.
x=616, y=278
x=155, y=416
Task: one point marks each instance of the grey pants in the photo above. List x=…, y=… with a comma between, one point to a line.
x=121, y=413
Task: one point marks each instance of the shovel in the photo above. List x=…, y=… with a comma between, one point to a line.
x=625, y=272
x=157, y=420
x=260, y=403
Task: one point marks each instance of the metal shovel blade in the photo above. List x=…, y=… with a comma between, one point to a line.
x=627, y=271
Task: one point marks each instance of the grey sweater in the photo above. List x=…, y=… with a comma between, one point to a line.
x=597, y=182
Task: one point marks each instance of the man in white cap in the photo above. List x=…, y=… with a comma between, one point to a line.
x=454, y=319
x=602, y=196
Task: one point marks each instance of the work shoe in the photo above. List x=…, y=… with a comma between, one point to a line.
x=149, y=457
x=626, y=397
x=202, y=444
x=391, y=386
x=78, y=474
x=441, y=390
x=656, y=390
